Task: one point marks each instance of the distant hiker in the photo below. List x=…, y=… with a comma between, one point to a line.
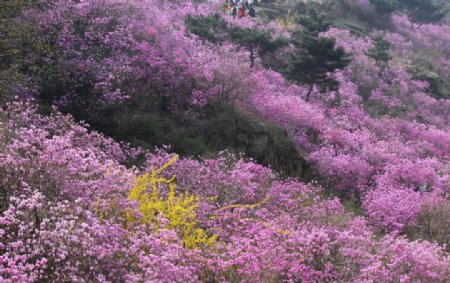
x=242, y=12
x=234, y=11
x=229, y=4
x=252, y=12
x=241, y=9
x=225, y=5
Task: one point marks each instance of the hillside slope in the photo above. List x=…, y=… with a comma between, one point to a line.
x=128, y=128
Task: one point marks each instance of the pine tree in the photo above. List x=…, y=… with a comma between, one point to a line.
x=423, y=11
x=380, y=51
x=316, y=57
x=212, y=28
x=215, y=29
x=313, y=64
x=255, y=41
x=313, y=23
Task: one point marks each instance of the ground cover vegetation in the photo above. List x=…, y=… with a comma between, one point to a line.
x=166, y=141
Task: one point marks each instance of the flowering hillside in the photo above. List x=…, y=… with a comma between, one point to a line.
x=300, y=151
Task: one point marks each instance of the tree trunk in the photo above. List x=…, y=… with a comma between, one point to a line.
x=252, y=58
x=311, y=87
x=338, y=98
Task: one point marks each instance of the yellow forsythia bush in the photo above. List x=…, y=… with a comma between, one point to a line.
x=178, y=209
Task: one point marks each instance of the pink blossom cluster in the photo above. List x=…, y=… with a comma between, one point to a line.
x=64, y=193
x=136, y=50
x=69, y=224
x=382, y=139
x=385, y=117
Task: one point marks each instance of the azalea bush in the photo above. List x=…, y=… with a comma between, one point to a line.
x=78, y=205
x=227, y=219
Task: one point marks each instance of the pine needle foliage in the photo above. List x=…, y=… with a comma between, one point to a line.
x=380, y=51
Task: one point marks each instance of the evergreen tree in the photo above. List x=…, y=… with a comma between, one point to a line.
x=314, y=62
x=316, y=57
x=380, y=51
x=212, y=28
x=423, y=11
x=313, y=23
x=215, y=29
x=255, y=41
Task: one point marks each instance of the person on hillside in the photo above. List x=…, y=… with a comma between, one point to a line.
x=225, y=6
x=252, y=12
x=242, y=12
x=241, y=9
x=234, y=11
x=252, y=3
x=229, y=5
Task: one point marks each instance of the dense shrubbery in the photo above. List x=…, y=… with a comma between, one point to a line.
x=76, y=205
x=72, y=213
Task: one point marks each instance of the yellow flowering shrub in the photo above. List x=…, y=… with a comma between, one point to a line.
x=178, y=209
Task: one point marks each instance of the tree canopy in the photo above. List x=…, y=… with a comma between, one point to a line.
x=380, y=51
x=316, y=57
